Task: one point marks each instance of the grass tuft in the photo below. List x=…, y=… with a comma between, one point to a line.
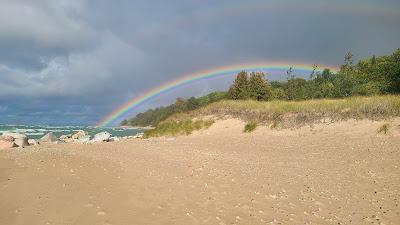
x=175, y=128
x=250, y=127
x=384, y=128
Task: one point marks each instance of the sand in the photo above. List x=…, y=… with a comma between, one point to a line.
x=341, y=173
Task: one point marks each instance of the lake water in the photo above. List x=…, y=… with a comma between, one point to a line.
x=36, y=132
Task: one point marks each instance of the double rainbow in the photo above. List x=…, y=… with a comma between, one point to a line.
x=121, y=112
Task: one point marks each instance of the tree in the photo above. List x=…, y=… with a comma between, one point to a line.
x=348, y=63
x=258, y=87
x=373, y=60
x=192, y=103
x=124, y=122
x=278, y=93
x=327, y=74
x=296, y=89
x=239, y=88
x=343, y=85
x=327, y=89
x=314, y=72
x=290, y=74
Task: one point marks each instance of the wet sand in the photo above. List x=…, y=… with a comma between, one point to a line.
x=342, y=173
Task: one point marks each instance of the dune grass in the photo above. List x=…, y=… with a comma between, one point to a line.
x=294, y=113
x=250, y=127
x=384, y=129
x=175, y=128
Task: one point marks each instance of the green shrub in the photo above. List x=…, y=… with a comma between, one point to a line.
x=249, y=127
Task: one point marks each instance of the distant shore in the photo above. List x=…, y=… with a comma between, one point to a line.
x=136, y=127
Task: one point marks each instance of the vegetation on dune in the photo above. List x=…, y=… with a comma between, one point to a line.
x=250, y=127
x=174, y=128
x=334, y=95
x=293, y=113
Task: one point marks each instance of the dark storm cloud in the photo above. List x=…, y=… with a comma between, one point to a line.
x=65, y=58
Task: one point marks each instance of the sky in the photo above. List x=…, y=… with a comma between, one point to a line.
x=71, y=62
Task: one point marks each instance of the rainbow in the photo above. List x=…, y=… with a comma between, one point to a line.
x=119, y=113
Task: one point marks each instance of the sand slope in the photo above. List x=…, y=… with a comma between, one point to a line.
x=342, y=173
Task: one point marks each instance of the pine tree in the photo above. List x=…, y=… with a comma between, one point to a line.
x=258, y=87
x=239, y=88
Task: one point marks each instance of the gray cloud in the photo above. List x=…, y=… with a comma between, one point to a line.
x=44, y=23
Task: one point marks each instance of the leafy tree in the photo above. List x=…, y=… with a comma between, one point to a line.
x=348, y=63
x=327, y=90
x=278, y=93
x=124, y=122
x=370, y=88
x=327, y=75
x=240, y=87
x=258, y=87
x=296, y=89
x=343, y=85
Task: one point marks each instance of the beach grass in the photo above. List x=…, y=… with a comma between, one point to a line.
x=175, y=128
x=250, y=127
x=384, y=129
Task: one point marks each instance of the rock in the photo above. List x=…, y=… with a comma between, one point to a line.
x=138, y=135
x=84, y=140
x=66, y=136
x=7, y=138
x=7, y=142
x=114, y=139
x=79, y=134
x=101, y=137
x=21, y=140
x=49, y=137
x=33, y=142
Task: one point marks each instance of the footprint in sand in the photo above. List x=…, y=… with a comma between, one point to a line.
x=101, y=213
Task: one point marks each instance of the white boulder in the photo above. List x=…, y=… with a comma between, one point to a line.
x=66, y=138
x=21, y=140
x=102, y=137
x=33, y=142
x=7, y=142
x=79, y=134
x=83, y=140
x=49, y=137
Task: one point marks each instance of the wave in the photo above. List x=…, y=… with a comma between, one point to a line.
x=35, y=134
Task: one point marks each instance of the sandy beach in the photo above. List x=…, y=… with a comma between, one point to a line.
x=341, y=173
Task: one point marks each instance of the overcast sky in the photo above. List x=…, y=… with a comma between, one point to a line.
x=74, y=61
